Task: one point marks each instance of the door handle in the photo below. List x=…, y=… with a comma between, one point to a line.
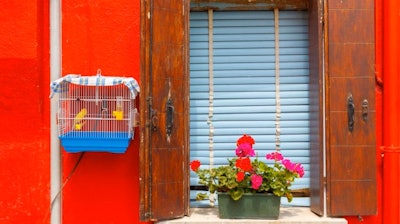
x=170, y=117
x=350, y=113
x=154, y=120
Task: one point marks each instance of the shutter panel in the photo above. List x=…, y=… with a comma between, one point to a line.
x=244, y=85
x=351, y=164
x=164, y=108
x=316, y=107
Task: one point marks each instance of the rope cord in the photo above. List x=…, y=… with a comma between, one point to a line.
x=277, y=82
x=210, y=94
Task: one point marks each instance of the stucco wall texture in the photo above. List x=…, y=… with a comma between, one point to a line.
x=101, y=34
x=95, y=34
x=24, y=112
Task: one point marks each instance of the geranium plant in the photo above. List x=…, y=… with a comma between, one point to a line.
x=243, y=174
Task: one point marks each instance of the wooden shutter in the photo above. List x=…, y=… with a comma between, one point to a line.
x=351, y=161
x=316, y=14
x=164, y=109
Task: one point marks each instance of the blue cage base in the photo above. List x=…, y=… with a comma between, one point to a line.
x=115, y=142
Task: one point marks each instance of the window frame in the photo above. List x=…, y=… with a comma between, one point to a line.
x=327, y=39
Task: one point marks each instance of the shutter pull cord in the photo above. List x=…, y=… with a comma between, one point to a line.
x=210, y=96
x=277, y=81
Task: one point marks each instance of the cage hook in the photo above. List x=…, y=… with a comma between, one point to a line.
x=97, y=87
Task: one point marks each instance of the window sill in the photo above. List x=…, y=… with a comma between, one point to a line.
x=288, y=215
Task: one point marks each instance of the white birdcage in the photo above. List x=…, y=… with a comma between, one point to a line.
x=95, y=113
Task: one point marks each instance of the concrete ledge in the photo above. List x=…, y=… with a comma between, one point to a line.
x=288, y=215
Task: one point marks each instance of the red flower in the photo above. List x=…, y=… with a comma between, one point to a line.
x=244, y=164
x=245, y=139
x=194, y=165
x=239, y=176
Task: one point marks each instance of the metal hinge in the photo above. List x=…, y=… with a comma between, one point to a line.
x=152, y=115
x=148, y=214
x=150, y=110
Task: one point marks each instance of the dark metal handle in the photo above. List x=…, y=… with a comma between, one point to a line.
x=170, y=117
x=365, y=110
x=350, y=113
x=154, y=120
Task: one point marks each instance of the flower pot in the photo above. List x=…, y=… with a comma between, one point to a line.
x=249, y=206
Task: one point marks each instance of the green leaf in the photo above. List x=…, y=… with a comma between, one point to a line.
x=201, y=196
x=289, y=196
x=236, y=194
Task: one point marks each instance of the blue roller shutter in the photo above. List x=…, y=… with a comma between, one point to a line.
x=244, y=86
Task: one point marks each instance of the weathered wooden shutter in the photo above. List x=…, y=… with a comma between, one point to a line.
x=351, y=163
x=349, y=49
x=316, y=106
x=164, y=109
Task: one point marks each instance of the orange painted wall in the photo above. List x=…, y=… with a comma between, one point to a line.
x=101, y=34
x=24, y=112
x=96, y=34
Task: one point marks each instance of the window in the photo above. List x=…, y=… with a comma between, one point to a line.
x=341, y=64
x=235, y=66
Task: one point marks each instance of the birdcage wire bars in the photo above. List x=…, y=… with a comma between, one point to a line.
x=96, y=118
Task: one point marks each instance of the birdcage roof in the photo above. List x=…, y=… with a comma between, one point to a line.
x=61, y=85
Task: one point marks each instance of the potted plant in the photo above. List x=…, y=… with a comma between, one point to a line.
x=244, y=178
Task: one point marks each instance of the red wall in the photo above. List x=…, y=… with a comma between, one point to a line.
x=24, y=112
x=96, y=34
x=101, y=34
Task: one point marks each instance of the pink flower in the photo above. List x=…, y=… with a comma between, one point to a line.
x=293, y=167
x=245, y=149
x=277, y=156
x=299, y=169
x=288, y=164
x=256, y=181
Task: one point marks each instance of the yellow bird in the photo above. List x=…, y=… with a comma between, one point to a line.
x=78, y=123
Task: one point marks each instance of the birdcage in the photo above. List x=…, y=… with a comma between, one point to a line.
x=95, y=113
